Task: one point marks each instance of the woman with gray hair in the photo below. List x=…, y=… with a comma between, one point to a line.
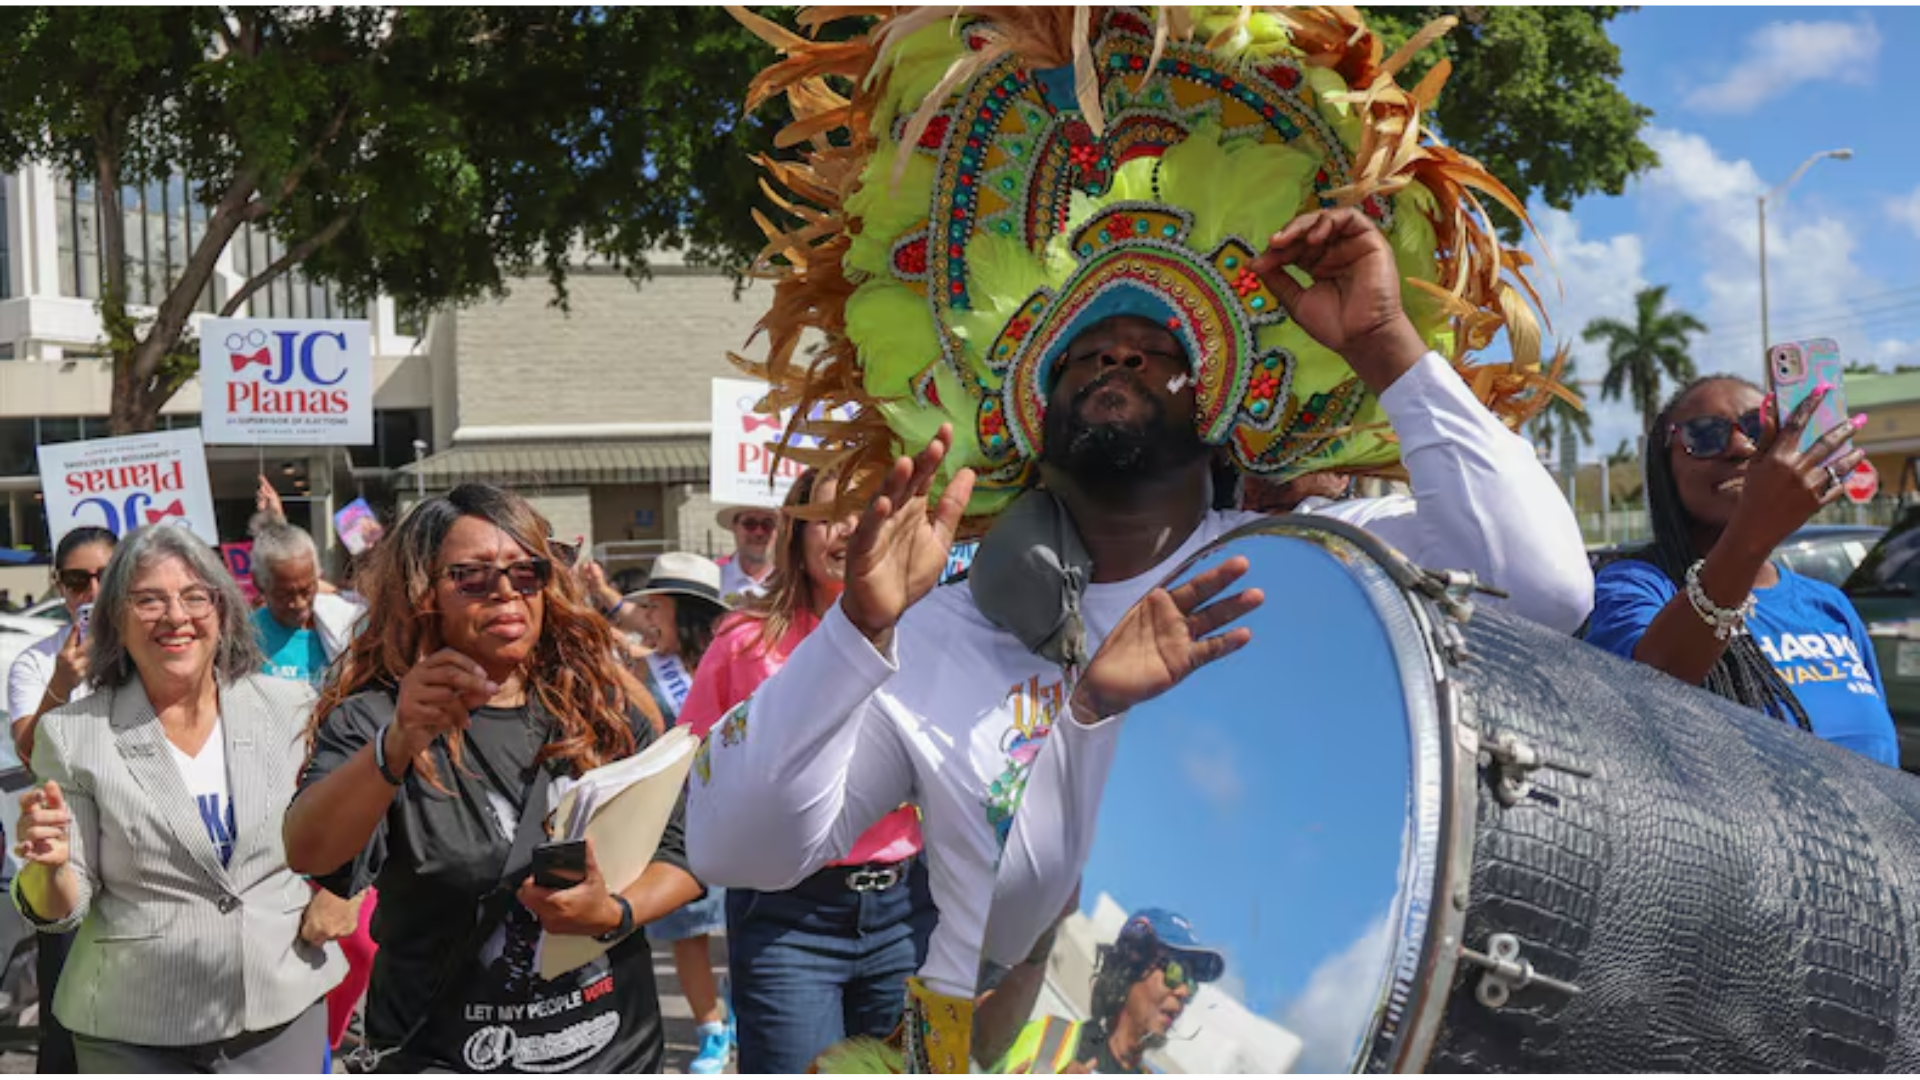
x=157, y=832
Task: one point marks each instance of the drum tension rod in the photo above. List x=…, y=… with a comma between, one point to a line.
x=1517, y=760
x=1507, y=972
x=1455, y=589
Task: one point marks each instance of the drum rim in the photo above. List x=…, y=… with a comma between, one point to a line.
x=1431, y=908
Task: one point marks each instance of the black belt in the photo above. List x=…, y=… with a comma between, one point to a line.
x=865, y=878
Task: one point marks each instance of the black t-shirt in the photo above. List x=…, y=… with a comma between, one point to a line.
x=434, y=858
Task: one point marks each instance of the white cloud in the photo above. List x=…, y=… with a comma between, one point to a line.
x=1332, y=1010
x=1781, y=56
x=1595, y=279
x=1706, y=203
x=1211, y=767
x=1906, y=209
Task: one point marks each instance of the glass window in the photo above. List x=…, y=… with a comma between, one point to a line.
x=176, y=421
x=297, y=293
x=409, y=320
x=260, y=251
x=394, y=431
x=1893, y=566
x=6, y=280
x=86, y=241
x=16, y=448
x=59, y=429
x=6, y=350
x=69, y=268
x=139, y=288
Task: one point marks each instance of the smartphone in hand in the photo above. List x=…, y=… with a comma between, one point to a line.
x=1795, y=369
x=560, y=864
x=83, y=619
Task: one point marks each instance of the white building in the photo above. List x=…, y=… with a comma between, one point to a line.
x=601, y=417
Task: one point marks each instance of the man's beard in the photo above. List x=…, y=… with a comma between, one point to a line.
x=1113, y=456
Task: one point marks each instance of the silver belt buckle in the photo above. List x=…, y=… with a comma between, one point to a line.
x=864, y=880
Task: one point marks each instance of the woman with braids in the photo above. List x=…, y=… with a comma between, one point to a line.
x=1705, y=603
x=828, y=958
x=484, y=685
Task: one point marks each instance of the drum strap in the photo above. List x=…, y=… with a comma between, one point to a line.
x=1029, y=575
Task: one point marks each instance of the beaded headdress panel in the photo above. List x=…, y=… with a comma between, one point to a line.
x=977, y=187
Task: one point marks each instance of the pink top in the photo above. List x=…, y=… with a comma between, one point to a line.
x=732, y=668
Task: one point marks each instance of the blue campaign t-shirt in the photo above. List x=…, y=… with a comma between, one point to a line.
x=291, y=654
x=1807, y=628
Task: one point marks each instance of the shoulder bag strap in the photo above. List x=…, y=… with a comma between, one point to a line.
x=494, y=907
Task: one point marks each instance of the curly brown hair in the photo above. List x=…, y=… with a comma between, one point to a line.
x=573, y=673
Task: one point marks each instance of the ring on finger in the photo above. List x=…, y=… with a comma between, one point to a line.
x=1833, y=478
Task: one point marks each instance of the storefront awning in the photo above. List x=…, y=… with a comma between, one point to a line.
x=661, y=461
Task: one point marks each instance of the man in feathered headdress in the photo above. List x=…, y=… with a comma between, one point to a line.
x=1044, y=256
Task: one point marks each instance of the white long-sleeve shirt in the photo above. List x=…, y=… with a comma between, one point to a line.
x=955, y=716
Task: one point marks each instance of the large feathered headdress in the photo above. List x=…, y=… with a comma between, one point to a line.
x=976, y=186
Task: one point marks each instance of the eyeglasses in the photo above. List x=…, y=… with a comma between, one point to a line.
x=477, y=580
x=153, y=606
x=1710, y=436
x=756, y=524
x=79, y=580
x=1176, y=975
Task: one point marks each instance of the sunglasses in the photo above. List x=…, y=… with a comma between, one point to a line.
x=567, y=552
x=1710, y=436
x=1176, y=975
x=755, y=524
x=476, y=581
x=79, y=580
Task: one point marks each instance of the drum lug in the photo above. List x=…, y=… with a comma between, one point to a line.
x=1454, y=590
x=1517, y=760
x=1507, y=972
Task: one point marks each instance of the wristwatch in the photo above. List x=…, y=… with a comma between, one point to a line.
x=380, y=757
x=626, y=923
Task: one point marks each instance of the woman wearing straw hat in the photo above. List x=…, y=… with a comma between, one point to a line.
x=676, y=614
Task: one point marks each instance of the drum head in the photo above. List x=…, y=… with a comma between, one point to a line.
x=1257, y=894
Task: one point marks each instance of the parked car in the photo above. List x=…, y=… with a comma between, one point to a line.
x=1828, y=553
x=53, y=607
x=1885, y=589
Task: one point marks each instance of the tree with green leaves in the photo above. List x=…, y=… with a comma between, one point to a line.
x=1641, y=353
x=428, y=154
x=1563, y=427
x=1534, y=95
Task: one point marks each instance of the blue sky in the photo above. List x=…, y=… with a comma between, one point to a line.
x=1741, y=96
x=1266, y=801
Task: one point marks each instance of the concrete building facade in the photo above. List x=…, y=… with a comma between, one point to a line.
x=599, y=413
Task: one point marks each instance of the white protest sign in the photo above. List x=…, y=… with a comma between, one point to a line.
x=738, y=471
x=127, y=482
x=304, y=381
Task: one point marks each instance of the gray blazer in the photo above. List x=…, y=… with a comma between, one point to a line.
x=175, y=949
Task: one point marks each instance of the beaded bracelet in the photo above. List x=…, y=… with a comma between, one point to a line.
x=1726, y=622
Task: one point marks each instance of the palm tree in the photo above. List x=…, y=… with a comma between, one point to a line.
x=1639, y=355
x=1563, y=426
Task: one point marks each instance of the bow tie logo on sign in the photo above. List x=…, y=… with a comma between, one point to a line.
x=172, y=509
x=258, y=356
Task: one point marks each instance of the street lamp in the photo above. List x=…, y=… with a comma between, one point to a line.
x=1766, y=333
x=419, y=474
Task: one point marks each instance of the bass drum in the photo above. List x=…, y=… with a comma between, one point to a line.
x=1399, y=833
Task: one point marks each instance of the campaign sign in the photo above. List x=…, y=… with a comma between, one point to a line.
x=301, y=381
x=742, y=463
x=239, y=560
x=357, y=527
x=127, y=482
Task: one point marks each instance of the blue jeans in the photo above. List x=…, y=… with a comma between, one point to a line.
x=820, y=963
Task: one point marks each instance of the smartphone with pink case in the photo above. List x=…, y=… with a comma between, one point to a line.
x=1796, y=369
